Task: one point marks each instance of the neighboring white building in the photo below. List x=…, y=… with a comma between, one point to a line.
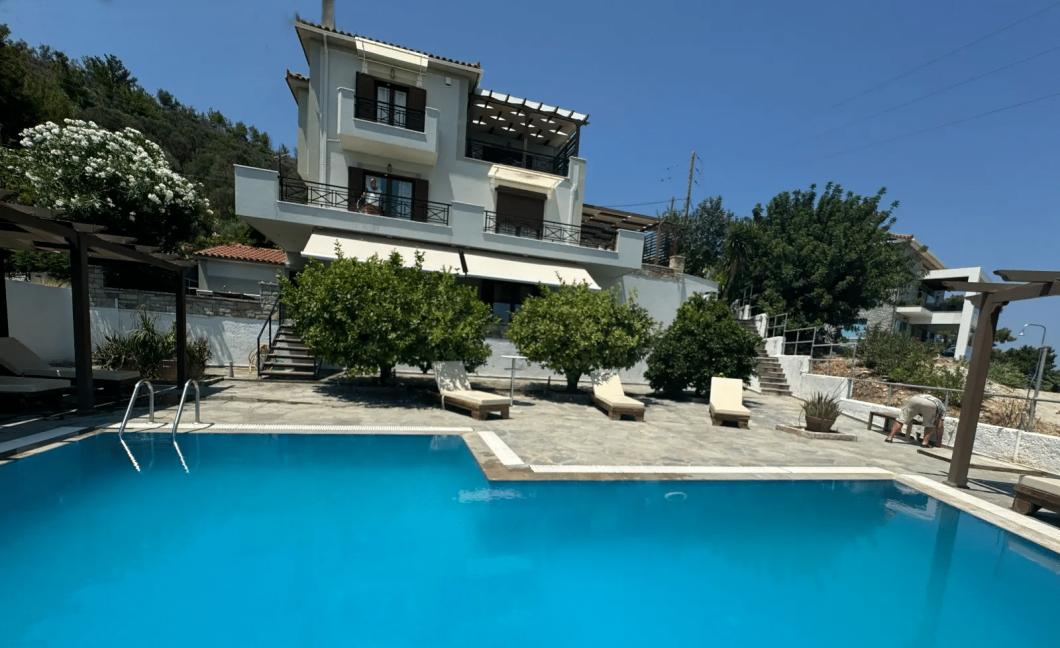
x=927, y=308
x=401, y=150
x=237, y=269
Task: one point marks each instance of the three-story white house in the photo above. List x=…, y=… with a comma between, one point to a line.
x=402, y=150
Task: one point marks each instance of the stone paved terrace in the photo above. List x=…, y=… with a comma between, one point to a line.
x=547, y=428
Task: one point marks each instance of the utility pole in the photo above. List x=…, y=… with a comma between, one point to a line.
x=691, y=170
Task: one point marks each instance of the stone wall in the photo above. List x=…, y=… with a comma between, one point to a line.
x=254, y=307
x=881, y=317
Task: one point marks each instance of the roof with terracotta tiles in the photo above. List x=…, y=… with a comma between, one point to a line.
x=239, y=252
x=303, y=21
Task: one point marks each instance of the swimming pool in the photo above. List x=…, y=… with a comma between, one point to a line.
x=313, y=540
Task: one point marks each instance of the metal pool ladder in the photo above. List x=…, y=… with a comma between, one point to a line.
x=176, y=419
x=128, y=411
x=151, y=418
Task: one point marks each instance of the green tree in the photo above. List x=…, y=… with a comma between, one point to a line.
x=370, y=316
x=824, y=257
x=1003, y=336
x=741, y=243
x=701, y=235
x=573, y=331
x=1024, y=361
x=704, y=340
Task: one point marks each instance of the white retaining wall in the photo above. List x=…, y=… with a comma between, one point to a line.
x=41, y=317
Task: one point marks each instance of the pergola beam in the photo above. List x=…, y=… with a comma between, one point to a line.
x=1029, y=275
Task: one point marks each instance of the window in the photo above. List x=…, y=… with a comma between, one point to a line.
x=520, y=213
x=381, y=101
x=384, y=194
x=505, y=297
x=387, y=196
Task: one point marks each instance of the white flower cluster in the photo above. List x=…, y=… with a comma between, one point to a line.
x=83, y=166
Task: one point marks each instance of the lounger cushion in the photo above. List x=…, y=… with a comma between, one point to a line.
x=726, y=397
x=451, y=376
x=478, y=398
x=18, y=359
x=607, y=388
x=19, y=385
x=1044, y=484
x=101, y=375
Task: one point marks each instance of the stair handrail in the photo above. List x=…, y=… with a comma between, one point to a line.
x=128, y=412
x=276, y=305
x=180, y=411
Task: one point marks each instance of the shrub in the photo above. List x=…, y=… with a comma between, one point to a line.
x=822, y=406
x=1007, y=373
x=704, y=340
x=884, y=351
x=573, y=330
x=145, y=348
x=370, y=316
x=931, y=375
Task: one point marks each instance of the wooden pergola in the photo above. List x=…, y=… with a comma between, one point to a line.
x=991, y=299
x=32, y=228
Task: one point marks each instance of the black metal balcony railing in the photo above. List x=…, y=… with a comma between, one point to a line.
x=549, y=231
x=295, y=190
x=386, y=113
x=555, y=164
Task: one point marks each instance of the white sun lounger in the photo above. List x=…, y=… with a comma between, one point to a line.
x=455, y=389
x=19, y=360
x=726, y=402
x=609, y=395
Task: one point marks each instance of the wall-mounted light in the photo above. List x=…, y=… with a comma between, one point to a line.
x=393, y=73
x=389, y=168
x=448, y=81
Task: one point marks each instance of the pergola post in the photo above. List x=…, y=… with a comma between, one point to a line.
x=5, y=329
x=82, y=321
x=182, y=330
x=974, y=385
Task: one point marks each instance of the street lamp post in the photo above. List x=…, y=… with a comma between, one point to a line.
x=1038, y=374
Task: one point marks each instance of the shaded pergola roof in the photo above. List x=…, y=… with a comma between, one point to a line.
x=605, y=217
x=23, y=227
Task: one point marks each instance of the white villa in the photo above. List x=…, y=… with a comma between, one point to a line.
x=402, y=150
x=926, y=308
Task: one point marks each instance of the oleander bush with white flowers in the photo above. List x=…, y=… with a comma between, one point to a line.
x=121, y=180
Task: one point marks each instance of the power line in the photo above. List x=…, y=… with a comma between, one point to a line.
x=931, y=62
x=931, y=94
x=933, y=128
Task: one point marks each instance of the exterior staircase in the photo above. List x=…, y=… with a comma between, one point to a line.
x=770, y=375
x=288, y=358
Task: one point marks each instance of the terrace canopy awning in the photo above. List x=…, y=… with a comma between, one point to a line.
x=506, y=268
x=435, y=258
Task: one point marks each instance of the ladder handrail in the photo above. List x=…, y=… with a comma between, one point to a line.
x=180, y=411
x=128, y=411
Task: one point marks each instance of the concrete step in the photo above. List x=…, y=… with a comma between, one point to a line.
x=290, y=375
x=291, y=352
x=279, y=363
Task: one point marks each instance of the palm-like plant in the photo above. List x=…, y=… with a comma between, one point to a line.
x=739, y=245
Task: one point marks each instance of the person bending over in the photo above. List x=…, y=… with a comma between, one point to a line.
x=931, y=411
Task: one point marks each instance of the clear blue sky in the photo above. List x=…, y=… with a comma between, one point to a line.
x=748, y=84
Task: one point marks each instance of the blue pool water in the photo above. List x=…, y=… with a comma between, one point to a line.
x=315, y=540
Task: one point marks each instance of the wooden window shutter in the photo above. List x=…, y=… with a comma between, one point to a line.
x=417, y=105
x=524, y=207
x=356, y=188
x=365, y=91
x=420, y=189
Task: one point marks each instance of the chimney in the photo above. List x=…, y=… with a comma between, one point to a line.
x=677, y=263
x=327, y=14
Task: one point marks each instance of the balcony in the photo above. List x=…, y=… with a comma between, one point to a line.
x=500, y=154
x=295, y=190
x=590, y=237
x=393, y=132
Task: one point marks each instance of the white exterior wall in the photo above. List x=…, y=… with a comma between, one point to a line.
x=226, y=275
x=661, y=296
x=41, y=317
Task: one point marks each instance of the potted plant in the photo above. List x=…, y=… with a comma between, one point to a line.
x=150, y=351
x=821, y=411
